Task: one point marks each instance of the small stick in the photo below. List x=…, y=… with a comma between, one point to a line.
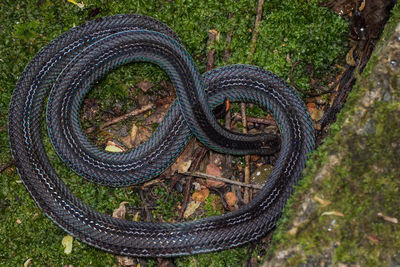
x=238, y=117
x=212, y=35
x=123, y=117
x=246, y=195
x=202, y=151
x=256, y=29
x=6, y=166
x=220, y=179
x=228, y=120
x=227, y=52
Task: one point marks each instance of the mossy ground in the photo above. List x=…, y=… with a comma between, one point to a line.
x=290, y=31
x=364, y=183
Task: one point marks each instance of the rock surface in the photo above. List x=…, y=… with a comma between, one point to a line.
x=351, y=178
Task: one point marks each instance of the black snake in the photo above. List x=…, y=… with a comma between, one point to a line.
x=63, y=73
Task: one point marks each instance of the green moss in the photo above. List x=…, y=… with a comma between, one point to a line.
x=364, y=184
x=26, y=26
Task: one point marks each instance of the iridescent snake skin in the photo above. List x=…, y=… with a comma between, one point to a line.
x=64, y=71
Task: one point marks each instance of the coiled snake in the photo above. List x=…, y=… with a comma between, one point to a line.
x=64, y=71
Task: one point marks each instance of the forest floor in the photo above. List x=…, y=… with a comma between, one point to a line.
x=293, y=39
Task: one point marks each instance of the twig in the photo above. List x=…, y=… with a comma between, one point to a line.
x=212, y=35
x=237, y=117
x=123, y=117
x=256, y=29
x=201, y=152
x=254, y=37
x=150, y=183
x=246, y=195
x=310, y=67
x=228, y=120
x=227, y=52
x=6, y=166
x=220, y=179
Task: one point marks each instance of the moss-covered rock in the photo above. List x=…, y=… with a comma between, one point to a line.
x=337, y=215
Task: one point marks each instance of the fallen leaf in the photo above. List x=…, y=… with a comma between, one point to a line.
x=212, y=169
x=372, y=238
x=134, y=131
x=321, y=201
x=67, y=244
x=184, y=166
x=144, y=133
x=191, y=208
x=80, y=5
x=288, y=59
x=315, y=113
x=362, y=6
x=27, y=262
x=201, y=195
x=113, y=147
x=230, y=198
x=293, y=231
x=145, y=85
x=126, y=261
x=136, y=218
x=186, y=155
x=126, y=140
x=121, y=211
x=350, y=58
x=197, y=186
x=387, y=218
x=341, y=7
x=216, y=33
x=335, y=213
x=214, y=184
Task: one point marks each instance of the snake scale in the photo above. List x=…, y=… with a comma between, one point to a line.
x=63, y=72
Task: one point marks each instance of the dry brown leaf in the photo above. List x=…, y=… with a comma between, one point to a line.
x=126, y=140
x=144, y=133
x=216, y=33
x=184, y=166
x=230, y=198
x=145, y=85
x=191, y=208
x=201, y=196
x=125, y=261
x=293, y=231
x=321, y=201
x=134, y=131
x=136, y=218
x=387, y=218
x=335, y=213
x=350, y=58
x=372, y=238
x=315, y=113
x=121, y=211
x=212, y=169
x=214, y=184
x=362, y=6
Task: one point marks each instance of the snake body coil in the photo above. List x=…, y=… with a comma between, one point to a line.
x=64, y=71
